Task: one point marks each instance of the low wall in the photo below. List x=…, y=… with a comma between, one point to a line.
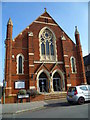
x=13, y=99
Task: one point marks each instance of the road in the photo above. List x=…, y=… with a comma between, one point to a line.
x=55, y=110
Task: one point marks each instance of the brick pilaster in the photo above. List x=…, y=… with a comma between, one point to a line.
x=31, y=59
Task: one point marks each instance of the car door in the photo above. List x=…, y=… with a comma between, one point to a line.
x=88, y=92
x=84, y=91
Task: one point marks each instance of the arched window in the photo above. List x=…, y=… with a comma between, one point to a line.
x=47, y=44
x=20, y=64
x=73, y=64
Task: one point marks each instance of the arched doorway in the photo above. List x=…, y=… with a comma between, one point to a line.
x=43, y=82
x=57, y=82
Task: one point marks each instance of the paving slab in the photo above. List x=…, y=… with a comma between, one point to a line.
x=20, y=107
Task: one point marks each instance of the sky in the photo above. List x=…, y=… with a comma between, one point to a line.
x=66, y=14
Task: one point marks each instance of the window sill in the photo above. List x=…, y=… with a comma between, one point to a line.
x=20, y=74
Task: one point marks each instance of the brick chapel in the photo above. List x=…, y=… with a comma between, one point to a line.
x=42, y=57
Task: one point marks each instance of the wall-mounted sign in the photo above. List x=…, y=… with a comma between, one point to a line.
x=19, y=84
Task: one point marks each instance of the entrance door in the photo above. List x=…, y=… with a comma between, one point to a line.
x=43, y=83
x=56, y=84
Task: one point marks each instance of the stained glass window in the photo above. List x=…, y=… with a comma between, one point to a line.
x=47, y=44
x=52, y=49
x=47, y=47
x=43, y=48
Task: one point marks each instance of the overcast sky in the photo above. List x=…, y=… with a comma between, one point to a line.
x=66, y=14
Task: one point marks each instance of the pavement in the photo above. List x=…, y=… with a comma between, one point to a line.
x=29, y=106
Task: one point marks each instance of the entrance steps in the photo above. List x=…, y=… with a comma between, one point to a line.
x=55, y=95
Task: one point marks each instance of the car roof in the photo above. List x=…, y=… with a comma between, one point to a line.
x=80, y=85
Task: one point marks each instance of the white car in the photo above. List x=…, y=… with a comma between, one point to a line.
x=78, y=94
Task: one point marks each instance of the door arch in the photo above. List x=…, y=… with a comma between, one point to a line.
x=58, y=80
x=43, y=81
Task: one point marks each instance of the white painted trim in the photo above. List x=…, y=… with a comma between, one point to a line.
x=12, y=94
x=13, y=56
x=63, y=38
x=31, y=65
x=45, y=23
x=65, y=55
x=30, y=34
x=53, y=62
x=27, y=27
x=8, y=88
x=31, y=53
x=67, y=66
x=45, y=17
x=31, y=87
x=21, y=33
x=69, y=85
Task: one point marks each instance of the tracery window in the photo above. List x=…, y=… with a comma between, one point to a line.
x=47, y=45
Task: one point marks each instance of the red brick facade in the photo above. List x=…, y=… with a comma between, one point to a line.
x=27, y=43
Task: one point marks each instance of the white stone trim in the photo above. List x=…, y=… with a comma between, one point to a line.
x=63, y=38
x=21, y=33
x=67, y=66
x=31, y=87
x=45, y=17
x=52, y=62
x=31, y=65
x=69, y=85
x=31, y=53
x=46, y=23
x=27, y=27
x=17, y=58
x=65, y=55
x=12, y=94
x=38, y=62
x=74, y=64
x=8, y=88
x=13, y=56
x=30, y=34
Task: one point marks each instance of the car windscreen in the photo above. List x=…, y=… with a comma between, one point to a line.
x=72, y=89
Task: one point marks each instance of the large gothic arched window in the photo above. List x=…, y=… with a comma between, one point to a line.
x=47, y=45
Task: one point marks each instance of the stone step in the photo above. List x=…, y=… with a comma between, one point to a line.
x=55, y=96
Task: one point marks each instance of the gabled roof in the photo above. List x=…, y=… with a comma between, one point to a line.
x=45, y=15
x=86, y=60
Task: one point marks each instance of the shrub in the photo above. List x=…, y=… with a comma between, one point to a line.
x=22, y=92
x=32, y=92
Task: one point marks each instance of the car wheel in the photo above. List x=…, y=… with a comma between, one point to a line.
x=81, y=101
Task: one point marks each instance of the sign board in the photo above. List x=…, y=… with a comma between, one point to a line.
x=19, y=84
x=23, y=96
